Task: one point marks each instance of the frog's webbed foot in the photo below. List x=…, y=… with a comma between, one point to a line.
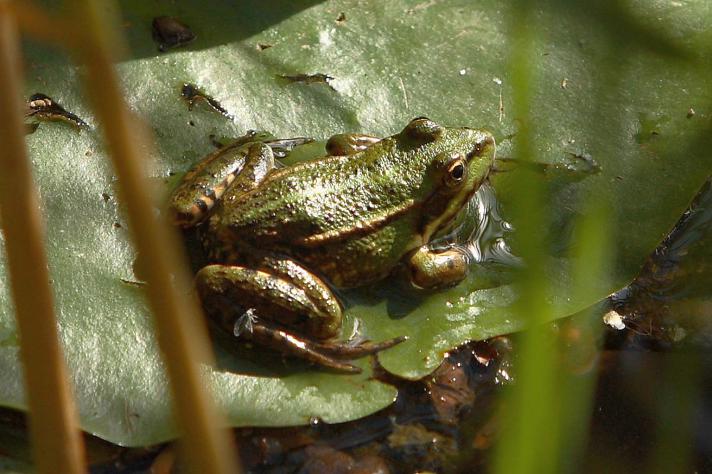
x=347, y=350
x=328, y=355
x=268, y=335
x=281, y=294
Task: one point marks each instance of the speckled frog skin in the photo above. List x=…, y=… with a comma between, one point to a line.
x=279, y=239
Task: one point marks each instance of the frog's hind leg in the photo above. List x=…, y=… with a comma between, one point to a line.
x=243, y=167
x=268, y=335
x=345, y=350
x=328, y=355
x=322, y=296
x=270, y=295
x=282, y=291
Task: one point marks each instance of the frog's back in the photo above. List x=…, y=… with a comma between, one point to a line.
x=330, y=197
x=337, y=214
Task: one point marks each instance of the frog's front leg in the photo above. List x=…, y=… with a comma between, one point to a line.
x=281, y=293
x=345, y=144
x=431, y=269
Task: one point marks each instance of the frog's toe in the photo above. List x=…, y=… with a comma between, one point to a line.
x=282, y=146
x=350, y=351
x=302, y=348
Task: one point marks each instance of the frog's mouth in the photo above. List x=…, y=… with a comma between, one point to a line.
x=453, y=223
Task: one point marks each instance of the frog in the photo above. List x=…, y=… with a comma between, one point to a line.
x=281, y=241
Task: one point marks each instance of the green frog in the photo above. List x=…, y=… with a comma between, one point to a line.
x=280, y=239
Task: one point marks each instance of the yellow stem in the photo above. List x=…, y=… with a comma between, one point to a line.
x=56, y=439
x=40, y=25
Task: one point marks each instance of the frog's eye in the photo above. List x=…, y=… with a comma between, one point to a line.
x=455, y=171
x=422, y=129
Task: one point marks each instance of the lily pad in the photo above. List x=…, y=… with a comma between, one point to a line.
x=390, y=61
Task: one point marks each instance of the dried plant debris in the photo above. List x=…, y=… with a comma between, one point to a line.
x=135, y=283
x=574, y=167
x=192, y=94
x=280, y=146
x=41, y=108
x=580, y=163
x=341, y=18
x=169, y=32
x=317, y=78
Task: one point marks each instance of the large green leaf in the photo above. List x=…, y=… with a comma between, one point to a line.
x=598, y=90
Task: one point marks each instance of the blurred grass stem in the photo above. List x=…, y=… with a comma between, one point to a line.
x=56, y=439
x=37, y=23
x=529, y=439
x=182, y=332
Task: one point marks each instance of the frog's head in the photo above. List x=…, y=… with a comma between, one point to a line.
x=456, y=161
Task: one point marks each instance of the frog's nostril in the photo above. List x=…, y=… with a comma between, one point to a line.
x=480, y=146
x=476, y=150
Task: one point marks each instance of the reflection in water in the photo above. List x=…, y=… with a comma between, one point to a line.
x=669, y=300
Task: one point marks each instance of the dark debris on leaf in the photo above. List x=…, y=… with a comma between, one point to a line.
x=41, y=107
x=574, y=167
x=193, y=94
x=318, y=78
x=169, y=32
x=136, y=283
